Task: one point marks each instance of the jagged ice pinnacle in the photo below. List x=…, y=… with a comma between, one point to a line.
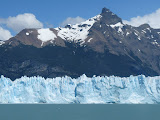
x=84, y=90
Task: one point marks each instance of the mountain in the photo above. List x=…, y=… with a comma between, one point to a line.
x=102, y=45
x=83, y=90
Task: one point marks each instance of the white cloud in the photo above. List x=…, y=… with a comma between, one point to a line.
x=21, y=22
x=72, y=21
x=4, y=34
x=152, y=19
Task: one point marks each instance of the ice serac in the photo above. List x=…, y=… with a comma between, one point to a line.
x=84, y=90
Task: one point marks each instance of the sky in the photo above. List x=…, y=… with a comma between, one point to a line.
x=16, y=15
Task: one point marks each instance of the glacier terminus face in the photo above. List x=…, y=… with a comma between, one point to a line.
x=83, y=90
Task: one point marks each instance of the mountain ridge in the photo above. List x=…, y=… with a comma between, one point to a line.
x=102, y=45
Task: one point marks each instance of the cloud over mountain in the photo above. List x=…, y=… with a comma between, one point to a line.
x=18, y=23
x=72, y=21
x=151, y=19
x=4, y=34
x=22, y=21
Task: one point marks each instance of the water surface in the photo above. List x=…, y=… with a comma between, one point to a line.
x=79, y=112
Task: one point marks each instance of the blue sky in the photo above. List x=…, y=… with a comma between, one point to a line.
x=55, y=11
x=51, y=13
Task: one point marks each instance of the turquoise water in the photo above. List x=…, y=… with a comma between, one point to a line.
x=79, y=112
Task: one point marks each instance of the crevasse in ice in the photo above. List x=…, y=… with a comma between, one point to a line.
x=84, y=90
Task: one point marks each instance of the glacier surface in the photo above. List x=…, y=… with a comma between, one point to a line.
x=84, y=90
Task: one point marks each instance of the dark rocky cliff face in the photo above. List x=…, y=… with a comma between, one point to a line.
x=72, y=61
x=109, y=18
x=115, y=49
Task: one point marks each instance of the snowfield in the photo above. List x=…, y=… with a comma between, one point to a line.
x=78, y=32
x=84, y=90
x=46, y=35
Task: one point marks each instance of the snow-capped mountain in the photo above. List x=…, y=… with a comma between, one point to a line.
x=84, y=90
x=102, y=45
x=1, y=42
x=41, y=37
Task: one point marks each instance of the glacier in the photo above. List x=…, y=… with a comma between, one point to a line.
x=83, y=90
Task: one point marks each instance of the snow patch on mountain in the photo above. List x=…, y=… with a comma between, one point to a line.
x=144, y=31
x=27, y=33
x=90, y=40
x=119, y=24
x=155, y=43
x=1, y=42
x=46, y=35
x=79, y=32
x=84, y=90
x=127, y=33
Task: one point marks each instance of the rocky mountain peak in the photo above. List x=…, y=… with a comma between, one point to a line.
x=144, y=26
x=109, y=17
x=101, y=45
x=104, y=10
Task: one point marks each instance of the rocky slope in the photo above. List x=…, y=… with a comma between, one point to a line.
x=102, y=45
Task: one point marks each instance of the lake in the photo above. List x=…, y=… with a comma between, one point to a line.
x=79, y=112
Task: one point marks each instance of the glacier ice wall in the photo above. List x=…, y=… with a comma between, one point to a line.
x=84, y=90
